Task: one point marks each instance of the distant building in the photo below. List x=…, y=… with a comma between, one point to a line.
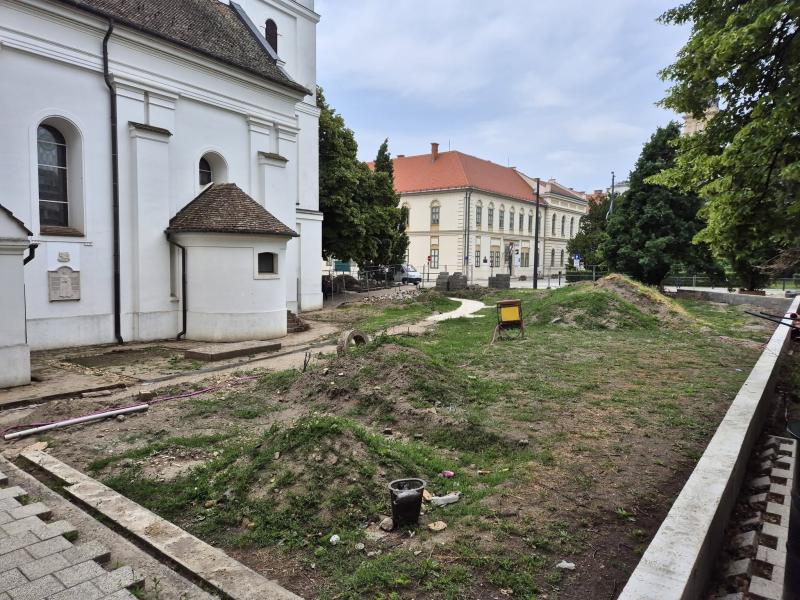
x=475, y=216
x=620, y=187
x=692, y=125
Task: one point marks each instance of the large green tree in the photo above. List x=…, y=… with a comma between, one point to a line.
x=591, y=232
x=743, y=55
x=362, y=219
x=651, y=227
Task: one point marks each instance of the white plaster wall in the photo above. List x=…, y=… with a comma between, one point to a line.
x=205, y=107
x=15, y=366
x=227, y=299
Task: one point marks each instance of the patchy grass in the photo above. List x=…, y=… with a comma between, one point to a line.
x=570, y=443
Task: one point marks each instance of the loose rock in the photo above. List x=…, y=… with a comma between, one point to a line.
x=437, y=526
x=387, y=524
x=566, y=565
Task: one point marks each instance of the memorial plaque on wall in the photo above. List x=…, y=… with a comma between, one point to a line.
x=64, y=284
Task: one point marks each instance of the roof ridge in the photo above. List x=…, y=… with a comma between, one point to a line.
x=461, y=166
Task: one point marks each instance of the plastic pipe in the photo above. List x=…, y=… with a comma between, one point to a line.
x=77, y=420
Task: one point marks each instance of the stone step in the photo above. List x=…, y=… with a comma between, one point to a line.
x=212, y=352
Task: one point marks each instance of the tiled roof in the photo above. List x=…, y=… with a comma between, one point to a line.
x=225, y=208
x=557, y=188
x=213, y=28
x=453, y=170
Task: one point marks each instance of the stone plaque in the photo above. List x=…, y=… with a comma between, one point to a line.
x=64, y=284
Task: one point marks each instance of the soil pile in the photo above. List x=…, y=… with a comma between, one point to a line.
x=613, y=302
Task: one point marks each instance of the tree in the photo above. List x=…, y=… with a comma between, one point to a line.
x=651, y=228
x=344, y=226
x=362, y=219
x=591, y=232
x=745, y=57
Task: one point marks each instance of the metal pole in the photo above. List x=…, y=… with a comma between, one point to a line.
x=536, y=242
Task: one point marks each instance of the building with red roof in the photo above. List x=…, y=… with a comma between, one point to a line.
x=471, y=215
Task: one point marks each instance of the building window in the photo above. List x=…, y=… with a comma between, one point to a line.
x=434, y=258
x=571, y=227
x=521, y=222
x=267, y=263
x=490, y=217
x=206, y=174
x=406, y=215
x=501, y=221
x=435, y=214
x=478, y=215
x=271, y=33
x=562, y=258
x=530, y=223
x=494, y=256
x=511, y=221
x=477, y=257
x=52, y=159
x=552, y=257
x=553, y=226
x=525, y=259
x=563, y=226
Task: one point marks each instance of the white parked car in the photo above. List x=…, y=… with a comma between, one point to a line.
x=407, y=274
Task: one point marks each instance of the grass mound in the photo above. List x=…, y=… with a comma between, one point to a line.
x=292, y=486
x=613, y=302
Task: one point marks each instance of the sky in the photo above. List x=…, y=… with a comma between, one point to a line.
x=556, y=88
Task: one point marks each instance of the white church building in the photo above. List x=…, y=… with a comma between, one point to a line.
x=159, y=161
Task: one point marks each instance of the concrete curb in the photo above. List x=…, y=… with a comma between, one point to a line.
x=223, y=573
x=678, y=562
x=769, y=302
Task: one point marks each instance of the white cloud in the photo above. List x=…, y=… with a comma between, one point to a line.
x=563, y=86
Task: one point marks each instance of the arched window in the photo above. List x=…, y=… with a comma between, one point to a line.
x=51, y=149
x=271, y=33
x=563, y=226
x=552, y=257
x=490, y=216
x=407, y=215
x=501, y=220
x=478, y=215
x=511, y=218
x=435, y=213
x=212, y=168
x=521, y=221
x=562, y=257
x=553, y=226
x=571, y=227
x=206, y=174
x=267, y=263
x=530, y=223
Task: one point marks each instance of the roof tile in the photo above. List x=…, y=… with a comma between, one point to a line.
x=225, y=208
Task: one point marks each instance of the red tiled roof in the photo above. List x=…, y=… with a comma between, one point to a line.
x=454, y=170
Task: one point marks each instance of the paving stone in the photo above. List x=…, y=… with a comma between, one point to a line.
x=766, y=588
x=79, y=573
x=12, y=492
x=91, y=550
x=35, y=509
x=11, y=579
x=776, y=531
x=44, y=566
x=37, y=589
x=9, y=503
x=4, y=596
x=745, y=539
x=757, y=499
x=57, y=528
x=4, y=517
x=84, y=591
x=15, y=542
x=760, y=482
x=34, y=524
x=781, y=510
x=14, y=559
x=768, y=555
x=116, y=580
x=738, y=567
x=51, y=546
x=3, y=479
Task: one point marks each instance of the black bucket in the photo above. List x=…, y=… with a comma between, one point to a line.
x=406, y=498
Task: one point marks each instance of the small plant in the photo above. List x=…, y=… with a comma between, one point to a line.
x=625, y=515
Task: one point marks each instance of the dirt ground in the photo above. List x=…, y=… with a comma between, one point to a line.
x=568, y=444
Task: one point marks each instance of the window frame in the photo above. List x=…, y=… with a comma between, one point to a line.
x=438, y=211
x=62, y=171
x=257, y=274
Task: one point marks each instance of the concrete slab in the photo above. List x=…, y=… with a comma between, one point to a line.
x=230, y=577
x=212, y=352
x=467, y=309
